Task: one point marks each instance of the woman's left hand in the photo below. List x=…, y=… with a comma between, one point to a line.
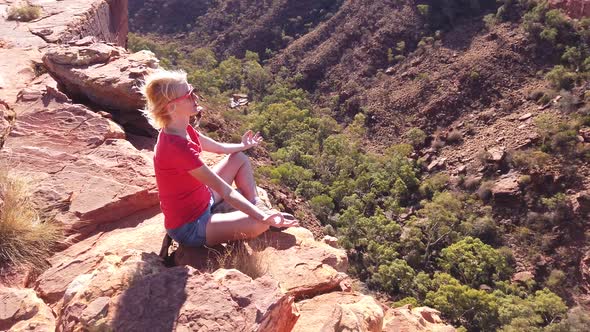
x=249, y=139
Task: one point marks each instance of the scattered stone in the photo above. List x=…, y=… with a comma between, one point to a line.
x=522, y=126
x=485, y=287
x=331, y=241
x=523, y=276
x=339, y=311
x=438, y=163
x=525, y=117
x=499, y=139
x=495, y=154
x=410, y=319
x=462, y=169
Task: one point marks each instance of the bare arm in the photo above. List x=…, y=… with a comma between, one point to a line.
x=248, y=140
x=211, y=145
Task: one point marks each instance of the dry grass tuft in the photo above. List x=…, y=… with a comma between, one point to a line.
x=242, y=257
x=24, y=13
x=27, y=237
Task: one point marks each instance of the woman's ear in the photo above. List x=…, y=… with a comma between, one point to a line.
x=170, y=108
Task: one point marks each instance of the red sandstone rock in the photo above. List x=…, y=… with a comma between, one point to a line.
x=408, y=319
x=66, y=20
x=305, y=267
x=523, y=276
x=574, y=8
x=506, y=188
x=302, y=266
x=339, y=311
x=83, y=257
x=22, y=310
x=133, y=291
x=77, y=160
x=107, y=75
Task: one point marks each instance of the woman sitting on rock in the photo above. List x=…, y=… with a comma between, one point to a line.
x=187, y=187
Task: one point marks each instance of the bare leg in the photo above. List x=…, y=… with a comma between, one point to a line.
x=224, y=227
x=236, y=168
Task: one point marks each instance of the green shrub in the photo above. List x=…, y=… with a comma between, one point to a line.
x=560, y=78
x=423, y=9
x=530, y=159
x=322, y=206
x=433, y=184
x=490, y=20
x=556, y=280
x=405, y=301
x=474, y=262
x=416, y=137
x=394, y=277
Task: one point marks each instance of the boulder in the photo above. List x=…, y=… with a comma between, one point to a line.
x=108, y=76
x=303, y=266
x=525, y=116
x=339, y=311
x=330, y=240
x=495, y=155
x=22, y=310
x=132, y=291
x=506, y=188
x=408, y=319
x=523, y=276
x=78, y=161
x=83, y=257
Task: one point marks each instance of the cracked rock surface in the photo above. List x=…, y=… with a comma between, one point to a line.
x=78, y=160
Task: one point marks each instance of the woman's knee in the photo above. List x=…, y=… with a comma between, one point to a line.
x=240, y=157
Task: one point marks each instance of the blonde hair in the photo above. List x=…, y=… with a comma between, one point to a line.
x=159, y=88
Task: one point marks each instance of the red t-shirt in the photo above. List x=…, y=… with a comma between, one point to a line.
x=182, y=197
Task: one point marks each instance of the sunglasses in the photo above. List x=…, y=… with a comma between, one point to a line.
x=190, y=94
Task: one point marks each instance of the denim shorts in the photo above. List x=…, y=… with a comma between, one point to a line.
x=193, y=233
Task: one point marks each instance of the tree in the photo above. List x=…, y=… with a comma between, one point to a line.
x=474, y=262
x=394, y=277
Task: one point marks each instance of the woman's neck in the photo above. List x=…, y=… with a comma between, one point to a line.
x=177, y=127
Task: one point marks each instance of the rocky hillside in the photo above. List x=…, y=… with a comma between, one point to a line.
x=71, y=129
x=230, y=27
x=493, y=98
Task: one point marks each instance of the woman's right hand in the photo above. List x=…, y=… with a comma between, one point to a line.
x=278, y=220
